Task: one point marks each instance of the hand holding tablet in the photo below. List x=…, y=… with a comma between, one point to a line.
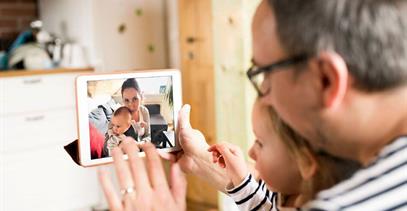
x=143, y=184
x=111, y=107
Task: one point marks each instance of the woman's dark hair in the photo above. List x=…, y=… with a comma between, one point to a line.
x=130, y=83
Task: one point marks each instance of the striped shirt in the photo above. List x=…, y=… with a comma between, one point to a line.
x=382, y=185
x=253, y=195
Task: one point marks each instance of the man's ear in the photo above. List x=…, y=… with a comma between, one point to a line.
x=334, y=77
x=307, y=165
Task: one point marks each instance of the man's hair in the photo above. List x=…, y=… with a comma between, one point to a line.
x=371, y=36
x=122, y=111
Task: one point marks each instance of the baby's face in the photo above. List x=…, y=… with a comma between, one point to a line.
x=120, y=124
x=275, y=164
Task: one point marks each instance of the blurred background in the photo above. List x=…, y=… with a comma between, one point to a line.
x=45, y=44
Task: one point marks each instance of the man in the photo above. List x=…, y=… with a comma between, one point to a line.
x=336, y=72
x=341, y=82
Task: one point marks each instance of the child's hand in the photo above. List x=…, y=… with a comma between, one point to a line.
x=231, y=158
x=143, y=124
x=141, y=128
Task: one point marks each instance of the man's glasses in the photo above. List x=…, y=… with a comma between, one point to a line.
x=257, y=74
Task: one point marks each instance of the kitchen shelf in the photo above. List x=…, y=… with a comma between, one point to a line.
x=13, y=73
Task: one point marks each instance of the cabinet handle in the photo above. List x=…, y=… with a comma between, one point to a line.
x=34, y=118
x=32, y=81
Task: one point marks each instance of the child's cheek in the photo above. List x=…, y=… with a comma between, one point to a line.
x=263, y=169
x=258, y=166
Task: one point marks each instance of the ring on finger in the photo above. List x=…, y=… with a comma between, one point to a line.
x=128, y=190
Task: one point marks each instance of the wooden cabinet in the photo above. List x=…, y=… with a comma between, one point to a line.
x=215, y=40
x=37, y=118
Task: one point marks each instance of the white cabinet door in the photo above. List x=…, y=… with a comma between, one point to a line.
x=36, y=93
x=37, y=118
x=47, y=179
x=31, y=132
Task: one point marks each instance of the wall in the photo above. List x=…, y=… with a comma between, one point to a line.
x=15, y=16
x=116, y=34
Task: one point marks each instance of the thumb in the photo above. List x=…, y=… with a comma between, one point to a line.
x=183, y=117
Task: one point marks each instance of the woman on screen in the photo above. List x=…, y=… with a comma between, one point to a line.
x=132, y=97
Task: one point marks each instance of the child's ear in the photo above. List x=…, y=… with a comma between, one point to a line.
x=307, y=165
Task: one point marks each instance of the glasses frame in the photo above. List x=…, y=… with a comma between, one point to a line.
x=255, y=70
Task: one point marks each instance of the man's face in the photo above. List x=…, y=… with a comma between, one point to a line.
x=289, y=92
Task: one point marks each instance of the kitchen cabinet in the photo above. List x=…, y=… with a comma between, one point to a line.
x=37, y=118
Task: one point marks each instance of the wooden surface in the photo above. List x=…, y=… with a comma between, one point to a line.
x=215, y=54
x=232, y=54
x=198, y=83
x=13, y=73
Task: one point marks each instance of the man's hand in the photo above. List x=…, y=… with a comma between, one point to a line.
x=194, y=157
x=192, y=142
x=143, y=184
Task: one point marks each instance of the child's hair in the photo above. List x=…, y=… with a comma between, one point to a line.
x=330, y=170
x=121, y=111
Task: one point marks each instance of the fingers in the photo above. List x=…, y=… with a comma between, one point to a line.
x=155, y=167
x=212, y=148
x=148, y=176
x=122, y=169
x=234, y=149
x=215, y=156
x=223, y=150
x=183, y=123
x=183, y=117
x=215, y=153
x=112, y=198
x=178, y=184
x=168, y=156
x=137, y=166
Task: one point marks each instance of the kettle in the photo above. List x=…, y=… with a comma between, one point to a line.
x=73, y=56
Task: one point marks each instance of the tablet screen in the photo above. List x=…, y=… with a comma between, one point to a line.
x=138, y=107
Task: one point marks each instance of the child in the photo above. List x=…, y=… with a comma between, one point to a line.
x=120, y=123
x=285, y=163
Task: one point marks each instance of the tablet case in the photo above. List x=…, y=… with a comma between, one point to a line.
x=73, y=150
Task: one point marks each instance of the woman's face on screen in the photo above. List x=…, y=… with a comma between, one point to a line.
x=131, y=99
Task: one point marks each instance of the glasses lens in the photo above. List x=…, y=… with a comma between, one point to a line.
x=258, y=81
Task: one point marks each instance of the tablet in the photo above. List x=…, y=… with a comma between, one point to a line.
x=142, y=105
